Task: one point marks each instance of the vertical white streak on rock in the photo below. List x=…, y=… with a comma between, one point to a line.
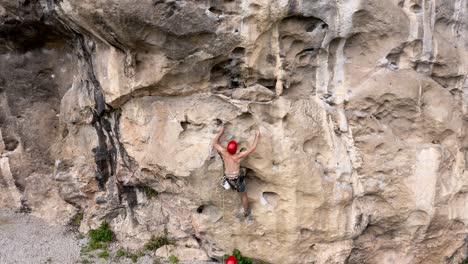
x=423, y=181
x=428, y=13
x=339, y=73
x=245, y=28
x=340, y=161
x=350, y=7
x=346, y=10
x=343, y=122
x=414, y=21
x=322, y=76
x=419, y=96
x=433, y=39
x=275, y=45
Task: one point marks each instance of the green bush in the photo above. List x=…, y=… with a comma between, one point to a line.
x=173, y=259
x=104, y=254
x=465, y=261
x=150, y=193
x=101, y=234
x=98, y=238
x=121, y=253
x=133, y=256
x=157, y=242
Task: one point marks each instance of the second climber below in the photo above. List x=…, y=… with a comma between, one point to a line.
x=232, y=170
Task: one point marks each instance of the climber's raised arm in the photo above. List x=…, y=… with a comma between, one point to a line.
x=251, y=148
x=216, y=140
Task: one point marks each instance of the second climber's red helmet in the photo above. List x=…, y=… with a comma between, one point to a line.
x=232, y=147
x=231, y=260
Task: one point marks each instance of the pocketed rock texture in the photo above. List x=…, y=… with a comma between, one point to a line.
x=108, y=108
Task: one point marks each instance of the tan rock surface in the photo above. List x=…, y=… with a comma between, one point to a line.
x=109, y=108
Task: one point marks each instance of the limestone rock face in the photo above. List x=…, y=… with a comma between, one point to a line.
x=109, y=108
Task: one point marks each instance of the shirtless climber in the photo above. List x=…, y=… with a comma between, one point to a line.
x=232, y=170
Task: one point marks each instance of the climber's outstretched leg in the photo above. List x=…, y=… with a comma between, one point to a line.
x=242, y=189
x=245, y=203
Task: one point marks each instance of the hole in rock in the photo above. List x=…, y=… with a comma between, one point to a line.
x=238, y=52
x=25, y=209
x=271, y=59
x=416, y=8
x=393, y=65
x=226, y=74
x=212, y=213
x=171, y=177
x=311, y=145
x=311, y=28
x=245, y=116
x=65, y=132
x=358, y=221
x=184, y=124
x=217, y=70
x=271, y=198
x=200, y=208
x=235, y=83
x=268, y=83
x=10, y=143
x=309, y=49
x=216, y=11
x=199, y=241
x=306, y=232
x=254, y=6
x=218, y=121
x=170, y=11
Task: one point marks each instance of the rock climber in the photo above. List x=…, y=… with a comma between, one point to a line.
x=233, y=173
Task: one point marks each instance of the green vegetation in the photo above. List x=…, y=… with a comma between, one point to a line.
x=242, y=259
x=77, y=219
x=85, y=261
x=104, y=254
x=102, y=234
x=128, y=254
x=173, y=259
x=465, y=261
x=157, y=242
x=98, y=239
x=155, y=261
x=121, y=253
x=150, y=193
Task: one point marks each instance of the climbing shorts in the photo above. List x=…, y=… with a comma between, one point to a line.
x=237, y=183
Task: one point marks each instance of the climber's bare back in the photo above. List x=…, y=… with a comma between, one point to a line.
x=231, y=162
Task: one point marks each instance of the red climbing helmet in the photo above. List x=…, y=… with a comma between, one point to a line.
x=232, y=147
x=231, y=259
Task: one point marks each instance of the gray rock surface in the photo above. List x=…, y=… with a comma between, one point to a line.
x=29, y=240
